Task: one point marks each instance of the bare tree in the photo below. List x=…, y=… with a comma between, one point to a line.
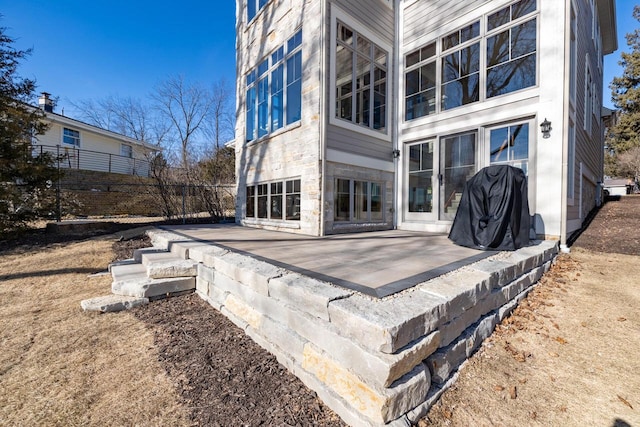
x=127, y=116
x=187, y=107
x=221, y=124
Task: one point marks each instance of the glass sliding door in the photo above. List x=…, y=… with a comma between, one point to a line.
x=457, y=165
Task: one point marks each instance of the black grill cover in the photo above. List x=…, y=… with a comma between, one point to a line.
x=494, y=211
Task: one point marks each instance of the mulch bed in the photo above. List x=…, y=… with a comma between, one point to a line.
x=610, y=231
x=222, y=376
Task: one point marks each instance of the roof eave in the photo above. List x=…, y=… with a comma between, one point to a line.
x=608, y=27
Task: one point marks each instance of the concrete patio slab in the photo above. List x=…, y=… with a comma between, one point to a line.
x=377, y=264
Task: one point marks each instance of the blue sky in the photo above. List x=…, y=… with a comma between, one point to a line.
x=94, y=49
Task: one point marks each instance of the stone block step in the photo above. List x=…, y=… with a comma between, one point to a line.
x=128, y=271
x=137, y=253
x=145, y=287
x=172, y=268
x=112, y=303
x=129, y=261
x=149, y=257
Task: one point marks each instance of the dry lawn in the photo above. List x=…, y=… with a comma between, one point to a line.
x=568, y=356
x=60, y=366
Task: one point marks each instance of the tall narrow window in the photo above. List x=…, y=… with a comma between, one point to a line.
x=276, y=201
x=588, y=98
x=461, y=67
x=251, y=201
x=420, y=82
x=274, y=90
x=361, y=79
x=253, y=7
x=292, y=188
x=511, y=52
x=263, y=197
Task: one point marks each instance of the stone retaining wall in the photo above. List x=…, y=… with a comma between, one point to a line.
x=373, y=361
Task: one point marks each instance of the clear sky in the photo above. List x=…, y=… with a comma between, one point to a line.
x=93, y=49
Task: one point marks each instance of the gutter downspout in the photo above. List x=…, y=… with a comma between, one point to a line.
x=565, y=135
x=321, y=113
x=394, y=131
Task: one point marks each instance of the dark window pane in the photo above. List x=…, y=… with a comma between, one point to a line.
x=450, y=67
x=470, y=59
x=428, y=51
x=428, y=76
x=497, y=19
x=450, y=40
x=262, y=200
x=511, y=76
x=294, y=88
x=412, y=82
x=498, y=49
x=470, y=32
x=523, y=39
x=522, y=8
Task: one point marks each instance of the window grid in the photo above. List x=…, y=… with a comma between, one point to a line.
x=71, y=137
x=453, y=72
x=361, y=79
x=274, y=90
x=277, y=200
x=358, y=201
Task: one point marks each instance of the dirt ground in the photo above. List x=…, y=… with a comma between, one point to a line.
x=567, y=356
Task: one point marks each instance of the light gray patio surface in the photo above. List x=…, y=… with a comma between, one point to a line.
x=375, y=263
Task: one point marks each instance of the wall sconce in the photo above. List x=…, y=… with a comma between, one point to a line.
x=396, y=153
x=545, y=127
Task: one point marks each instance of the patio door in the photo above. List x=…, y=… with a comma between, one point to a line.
x=420, y=200
x=457, y=164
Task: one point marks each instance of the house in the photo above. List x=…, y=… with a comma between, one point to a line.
x=79, y=145
x=357, y=115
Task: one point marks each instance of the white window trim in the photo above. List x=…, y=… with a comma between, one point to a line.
x=62, y=135
x=587, y=120
x=338, y=14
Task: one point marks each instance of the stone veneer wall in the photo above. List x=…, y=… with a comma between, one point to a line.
x=373, y=361
x=294, y=151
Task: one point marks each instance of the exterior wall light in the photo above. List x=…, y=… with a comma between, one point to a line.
x=396, y=153
x=545, y=127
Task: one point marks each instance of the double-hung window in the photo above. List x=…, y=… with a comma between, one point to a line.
x=361, y=79
x=274, y=90
x=71, y=137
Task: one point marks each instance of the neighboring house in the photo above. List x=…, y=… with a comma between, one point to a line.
x=371, y=114
x=79, y=145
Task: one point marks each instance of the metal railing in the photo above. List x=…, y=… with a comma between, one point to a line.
x=76, y=158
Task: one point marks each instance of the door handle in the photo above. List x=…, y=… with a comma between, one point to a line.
x=440, y=178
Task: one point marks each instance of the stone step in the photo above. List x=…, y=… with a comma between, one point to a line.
x=150, y=257
x=145, y=287
x=112, y=303
x=172, y=268
x=137, y=253
x=128, y=271
x=129, y=261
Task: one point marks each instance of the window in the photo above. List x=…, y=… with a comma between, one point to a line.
x=274, y=90
x=511, y=52
x=358, y=201
x=461, y=67
x=71, y=137
x=420, y=82
x=361, y=79
x=253, y=7
x=126, y=150
x=421, y=177
x=588, y=98
x=447, y=74
x=278, y=200
x=571, y=161
x=509, y=145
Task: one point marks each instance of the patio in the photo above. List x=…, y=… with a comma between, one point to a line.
x=376, y=324
x=377, y=264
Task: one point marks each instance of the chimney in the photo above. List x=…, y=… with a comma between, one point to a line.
x=45, y=102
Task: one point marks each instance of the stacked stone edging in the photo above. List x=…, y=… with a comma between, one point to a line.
x=373, y=361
